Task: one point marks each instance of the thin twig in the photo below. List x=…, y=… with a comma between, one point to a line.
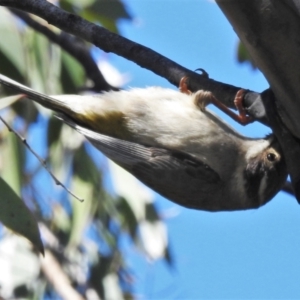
x=41, y=160
x=58, y=278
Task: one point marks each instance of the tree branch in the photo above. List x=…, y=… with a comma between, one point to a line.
x=57, y=277
x=290, y=145
x=141, y=55
x=270, y=31
x=74, y=47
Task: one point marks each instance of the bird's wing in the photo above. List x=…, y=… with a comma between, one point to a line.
x=175, y=175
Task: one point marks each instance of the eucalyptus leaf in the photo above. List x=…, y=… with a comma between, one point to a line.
x=53, y=131
x=8, y=68
x=11, y=46
x=72, y=74
x=81, y=212
x=127, y=186
x=85, y=168
x=108, y=23
x=98, y=272
x=15, y=215
x=169, y=257
x=35, y=74
x=13, y=158
x=129, y=220
x=151, y=213
x=7, y=101
x=243, y=55
x=107, y=13
x=26, y=110
x=59, y=159
x=114, y=10
x=79, y=4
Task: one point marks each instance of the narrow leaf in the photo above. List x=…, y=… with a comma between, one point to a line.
x=15, y=215
x=7, y=101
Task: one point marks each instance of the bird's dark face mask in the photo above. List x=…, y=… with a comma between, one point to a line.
x=266, y=173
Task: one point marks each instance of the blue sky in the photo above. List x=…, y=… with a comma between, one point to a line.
x=252, y=254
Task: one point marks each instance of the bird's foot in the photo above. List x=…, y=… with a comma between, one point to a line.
x=242, y=116
x=201, y=98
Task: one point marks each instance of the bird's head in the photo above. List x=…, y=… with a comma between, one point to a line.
x=265, y=171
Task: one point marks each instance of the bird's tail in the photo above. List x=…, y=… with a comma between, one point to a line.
x=46, y=101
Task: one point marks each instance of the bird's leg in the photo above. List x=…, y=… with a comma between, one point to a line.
x=242, y=117
x=202, y=98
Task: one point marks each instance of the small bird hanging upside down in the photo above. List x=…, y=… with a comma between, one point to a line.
x=169, y=141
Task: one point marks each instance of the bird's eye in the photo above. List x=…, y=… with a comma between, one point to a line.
x=271, y=157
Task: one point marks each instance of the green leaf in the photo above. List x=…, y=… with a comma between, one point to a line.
x=8, y=68
x=243, y=55
x=13, y=155
x=169, y=257
x=107, y=13
x=53, y=131
x=26, y=110
x=7, y=101
x=11, y=47
x=129, y=219
x=85, y=168
x=82, y=211
x=37, y=59
x=151, y=213
x=15, y=215
x=69, y=5
x=60, y=218
x=98, y=272
x=72, y=74
x=108, y=23
x=114, y=10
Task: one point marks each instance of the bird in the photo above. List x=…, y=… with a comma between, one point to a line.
x=172, y=143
